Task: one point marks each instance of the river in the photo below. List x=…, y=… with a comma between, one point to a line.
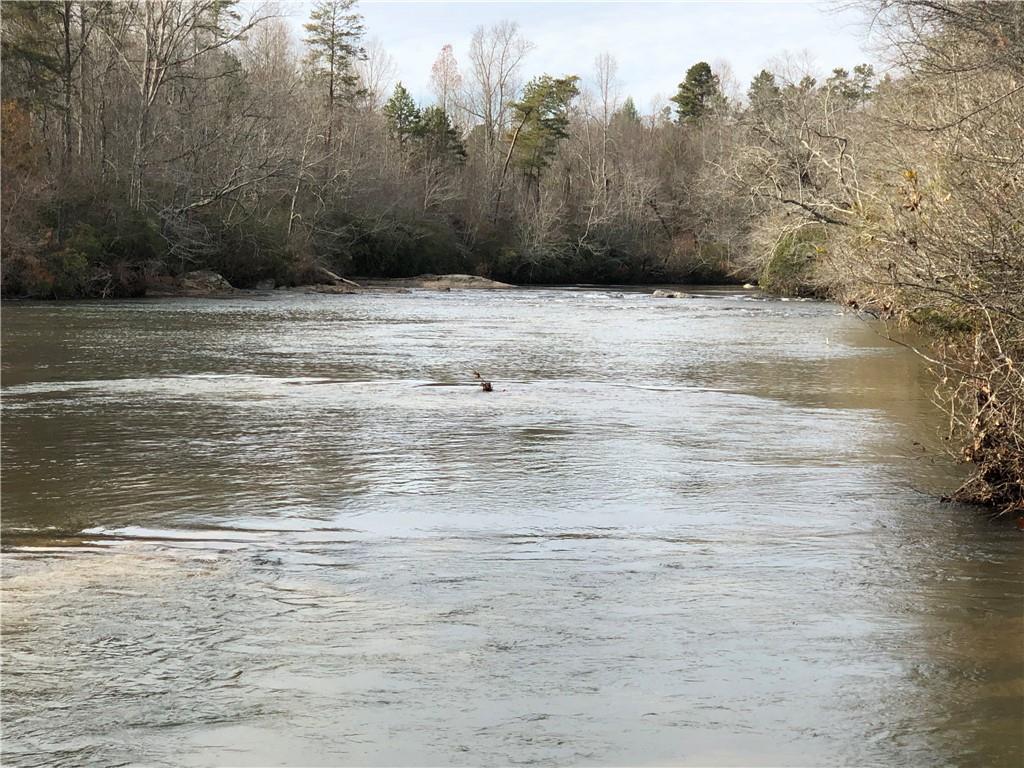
x=291, y=530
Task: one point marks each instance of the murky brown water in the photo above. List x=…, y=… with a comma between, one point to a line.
x=285, y=531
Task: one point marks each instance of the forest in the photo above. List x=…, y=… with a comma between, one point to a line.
x=144, y=140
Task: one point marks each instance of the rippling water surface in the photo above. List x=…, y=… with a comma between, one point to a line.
x=289, y=530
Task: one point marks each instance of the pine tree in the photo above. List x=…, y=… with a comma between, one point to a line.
x=38, y=47
x=696, y=93
x=437, y=138
x=764, y=94
x=839, y=83
x=334, y=32
x=543, y=119
x=401, y=114
x=852, y=89
x=863, y=77
x=628, y=112
x=30, y=44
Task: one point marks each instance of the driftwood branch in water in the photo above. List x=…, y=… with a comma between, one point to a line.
x=485, y=385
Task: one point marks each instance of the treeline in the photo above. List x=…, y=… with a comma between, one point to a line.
x=142, y=140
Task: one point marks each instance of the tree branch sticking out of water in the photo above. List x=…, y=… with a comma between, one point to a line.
x=485, y=385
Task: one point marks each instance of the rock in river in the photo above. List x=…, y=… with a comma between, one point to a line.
x=205, y=281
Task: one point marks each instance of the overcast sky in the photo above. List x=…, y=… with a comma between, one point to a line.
x=653, y=42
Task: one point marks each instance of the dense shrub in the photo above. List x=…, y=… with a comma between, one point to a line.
x=789, y=268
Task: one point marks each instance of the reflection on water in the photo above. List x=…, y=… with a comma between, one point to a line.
x=290, y=531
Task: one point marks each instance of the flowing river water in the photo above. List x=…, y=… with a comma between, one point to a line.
x=290, y=530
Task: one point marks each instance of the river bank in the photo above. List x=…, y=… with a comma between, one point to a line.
x=206, y=284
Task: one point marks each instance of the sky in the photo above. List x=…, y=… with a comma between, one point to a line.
x=654, y=43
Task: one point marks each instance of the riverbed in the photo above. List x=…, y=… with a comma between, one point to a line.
x=292, y=529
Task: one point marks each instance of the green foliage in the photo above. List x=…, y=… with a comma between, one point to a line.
x=764, y=94
x=804, y=87
x=105, y=230
x=437, y=138
x=103, y=257
x=543, y=117
x=29, y=36
x=71, y=270
x=941, y=323
x=333, y=33
x=222, y=14
x=628, y=113
x=852, y=89
x=863, y=77
x=133, y=236
x=86, y=240
x=790, y=266
x=405, y=249
x=710, y=266
x=401, y=115
x=399, y=246
x=246, y=255
x=696, y=93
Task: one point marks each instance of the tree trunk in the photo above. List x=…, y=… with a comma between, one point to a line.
x=67, y=77
x=81, y=79
x=504, y=168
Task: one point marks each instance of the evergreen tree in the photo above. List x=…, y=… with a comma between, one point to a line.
x=437, y=137
x=401, y=114
x=806, y=86
x=31, y=44
x=628, y=112
x=863, y=77
x=853, y=89
x=333, y=35
x=696, y=93
x=839, y=82
x=543, y=118
x=764, y=94
x=40, y=49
